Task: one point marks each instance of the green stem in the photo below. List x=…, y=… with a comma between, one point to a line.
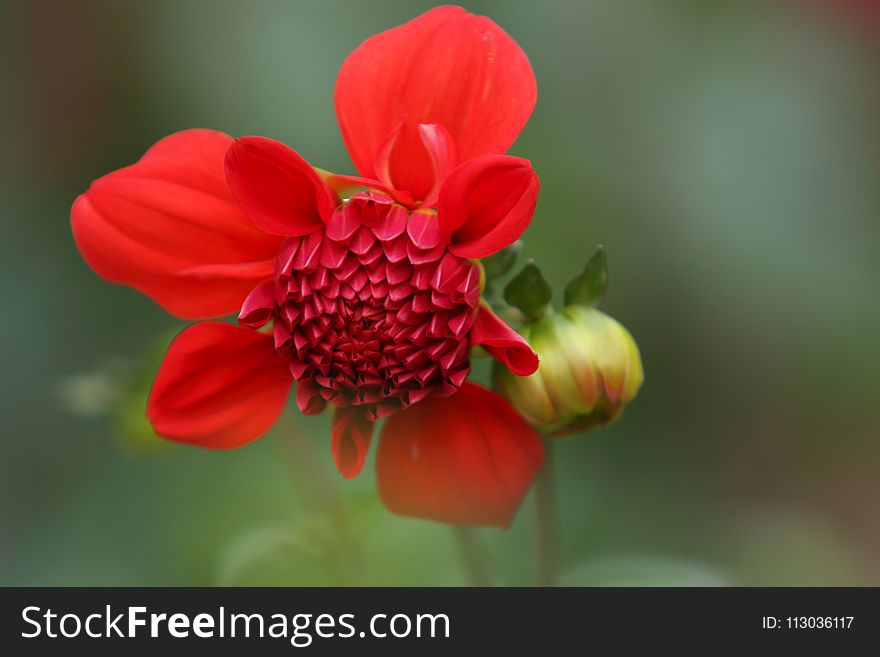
x=472, y=556
x=321, y=493
x=547, y=507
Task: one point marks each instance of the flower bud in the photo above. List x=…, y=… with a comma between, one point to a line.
x=590, y=369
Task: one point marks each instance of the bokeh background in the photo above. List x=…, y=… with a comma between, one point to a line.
x=726, y=153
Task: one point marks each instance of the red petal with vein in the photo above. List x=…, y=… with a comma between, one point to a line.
x=168, y=227
x=219, y=386
x=277, y=189
x=503, y=343
x=445, y=67
x=468, y=459
x=487, y=203
x=351, y=435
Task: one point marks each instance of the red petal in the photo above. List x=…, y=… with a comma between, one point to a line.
x=487, y=203
x=445, y=67
x=424, y=230
x=168, y=227
x=391, y=225
x=343, y=222
x=503, y=343
x=402, y=164
x=277, y=189
x=441, y=149
x=308, y=396
x=261, y=268
x=219, y=386
x=259, y=305
x=350, y=439
x=468, y=459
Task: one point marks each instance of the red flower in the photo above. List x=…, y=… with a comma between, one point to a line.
x=373, y=300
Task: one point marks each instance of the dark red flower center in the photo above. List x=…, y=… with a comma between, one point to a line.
x=373, y=310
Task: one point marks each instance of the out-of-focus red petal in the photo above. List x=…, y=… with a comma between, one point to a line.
x=468, y=459
x=219, y=386
x=445, y=67
x=503, y=343
x=277, y=189
x=168, y=227
x=351, y=435
x=487, y=203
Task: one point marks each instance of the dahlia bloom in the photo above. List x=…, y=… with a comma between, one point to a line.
x=363, y=290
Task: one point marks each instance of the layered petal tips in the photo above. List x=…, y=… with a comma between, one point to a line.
x=219, y=386
x=277, y=189
x=503, y=343
x=486, y=204
x=446, y=67
x=350, y=439
x=168, y=227
x=468, y=459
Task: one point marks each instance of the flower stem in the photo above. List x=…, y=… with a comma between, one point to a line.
x=320, y=493
x=547, y=521
x=472, y=556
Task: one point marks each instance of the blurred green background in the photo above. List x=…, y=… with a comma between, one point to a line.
x=726, y=153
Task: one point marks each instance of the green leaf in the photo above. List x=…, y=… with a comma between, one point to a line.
x=643, y=570
x=498, y=264
x=529, y=291
x=587, y=287
x=129, y=411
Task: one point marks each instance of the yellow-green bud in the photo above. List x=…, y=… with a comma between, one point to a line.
x=590, y=369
